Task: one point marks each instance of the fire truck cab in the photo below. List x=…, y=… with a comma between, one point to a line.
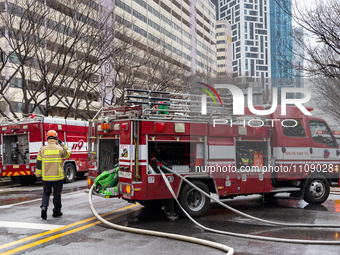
x=22, y=139
x=222, y=154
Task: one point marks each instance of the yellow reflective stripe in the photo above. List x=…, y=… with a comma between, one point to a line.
x=46, y=178
x=39, y=157
x=52, y=160
x=51, y=152
x=53, y=176
x=38, y=171
x=68, y=154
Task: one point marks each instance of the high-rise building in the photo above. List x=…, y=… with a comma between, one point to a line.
x=216, y=3
x=281, y=44
x=223, y=48
x=250, y=29
x=281, y=40
x=187, y=28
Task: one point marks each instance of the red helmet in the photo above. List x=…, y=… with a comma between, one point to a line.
x=52, y=134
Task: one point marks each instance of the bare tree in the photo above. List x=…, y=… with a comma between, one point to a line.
x=54, y=49
x=19, y=38
x=321, y=44
x=73, y=54
x=63, y=49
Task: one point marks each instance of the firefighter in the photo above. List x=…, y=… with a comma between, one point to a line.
x=50, y=167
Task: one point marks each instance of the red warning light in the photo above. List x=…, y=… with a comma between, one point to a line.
x=14, y=127
x=160, y=127
x=125, y=126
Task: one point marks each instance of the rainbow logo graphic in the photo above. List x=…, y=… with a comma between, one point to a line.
x=209, y=93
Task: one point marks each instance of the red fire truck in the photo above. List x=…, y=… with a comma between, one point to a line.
x=22, y=139
x=222, y=154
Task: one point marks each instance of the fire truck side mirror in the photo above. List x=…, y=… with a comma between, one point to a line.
x=271, y=132
x=284, y=149
x=337, y=152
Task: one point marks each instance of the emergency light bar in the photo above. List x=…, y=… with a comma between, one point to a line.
x=14, y=127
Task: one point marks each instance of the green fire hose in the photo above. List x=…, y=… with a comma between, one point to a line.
x=107, y=180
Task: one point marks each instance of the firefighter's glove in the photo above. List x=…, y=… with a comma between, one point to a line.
x=61, y=143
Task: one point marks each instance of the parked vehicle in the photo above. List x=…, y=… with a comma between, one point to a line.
x=21, y=141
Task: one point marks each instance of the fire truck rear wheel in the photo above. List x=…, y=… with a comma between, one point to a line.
x=194, y=202
x=317, y=190
x=70, y=173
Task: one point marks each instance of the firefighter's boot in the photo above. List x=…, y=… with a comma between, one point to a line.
x=57, y=213
x=43, y=212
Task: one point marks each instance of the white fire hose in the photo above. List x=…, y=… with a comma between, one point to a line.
x=262, y=238
x=215, y=245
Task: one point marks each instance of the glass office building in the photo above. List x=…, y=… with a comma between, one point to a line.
x=281, y=43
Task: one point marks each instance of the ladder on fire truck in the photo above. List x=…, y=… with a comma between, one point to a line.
x=170, y=106
x=180, y=106
x=26, y=118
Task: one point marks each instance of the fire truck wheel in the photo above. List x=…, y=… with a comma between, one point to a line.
x=28, y=180
x=70, y=173
x=194, y=202
x=317, y=190
x=152, y=204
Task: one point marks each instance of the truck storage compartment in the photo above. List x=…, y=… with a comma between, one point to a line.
x=253, y=175
x=15, y=149
x=182, y=157
x=108, y=154
x=251, y=155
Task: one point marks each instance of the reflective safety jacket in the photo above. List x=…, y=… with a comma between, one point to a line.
x=50, y=161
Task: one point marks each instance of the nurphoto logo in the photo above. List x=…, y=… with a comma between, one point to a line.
x=238, y=99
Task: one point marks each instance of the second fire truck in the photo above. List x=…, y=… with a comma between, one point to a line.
x=22, y=139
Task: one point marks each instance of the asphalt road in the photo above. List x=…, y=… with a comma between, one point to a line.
x=22, y=231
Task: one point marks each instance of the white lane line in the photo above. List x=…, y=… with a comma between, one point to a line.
x=12, y=224
x=39, y=199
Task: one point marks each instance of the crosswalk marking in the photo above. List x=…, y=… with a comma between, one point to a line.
x=12, y=224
